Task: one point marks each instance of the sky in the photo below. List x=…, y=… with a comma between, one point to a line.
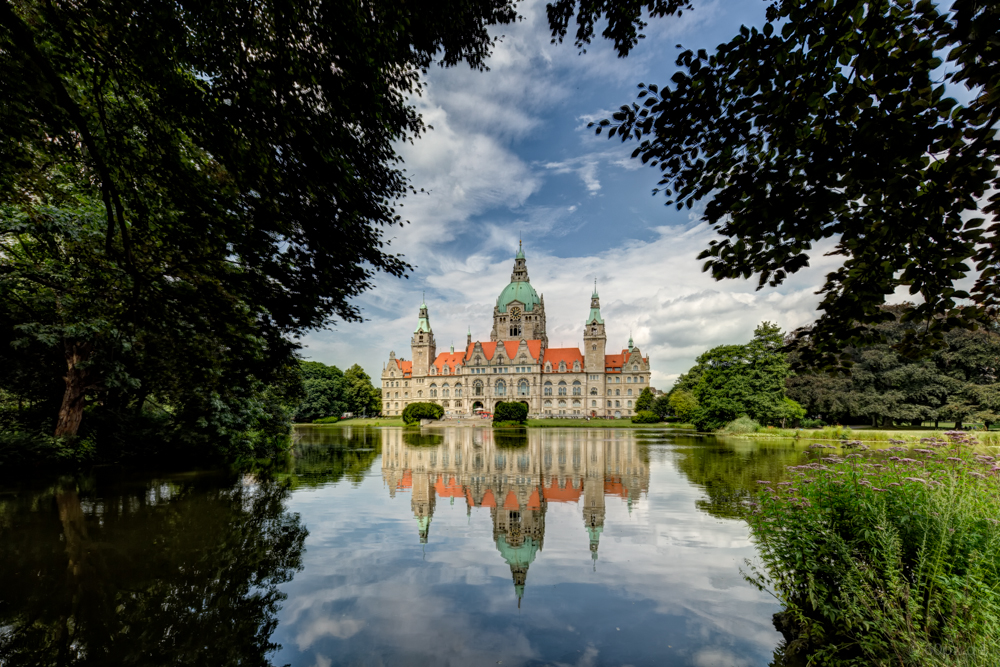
x=510, y=156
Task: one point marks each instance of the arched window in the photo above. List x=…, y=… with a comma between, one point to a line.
x=548, y=404
x=640, y=378
x=420, y=394
x=562, y=404
x=628, y=380
x=548, y=367
x=547, y=390
x=458, y=389
x=501, y=388
x=477, y=388
x=618, y=392
x=635, y=367
x=397, y=394
x=576, y=402
x=593, y=404
x=446, y=370
x=576, y=366
x=434, y=391
x=593, y=391
x=434, y=370
x=630, y=404
x=618, y=379
x=562, y=388
x=618, y=404
x=577, y=389
x=629, y=392
x=593, y=347
x=445, y=392
x=523, y=388
x=609, y=404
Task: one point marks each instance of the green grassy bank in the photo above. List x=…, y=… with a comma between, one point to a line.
x=537, y=423
x=846, y=433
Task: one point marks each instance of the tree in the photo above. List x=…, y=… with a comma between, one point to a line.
x=682, y=404
x=361, y=395
x=326, y=391
x=414, y=412
x=834, y=121
x=510, y=411
x=645, y=400
x=242, y=165
x=742, y=379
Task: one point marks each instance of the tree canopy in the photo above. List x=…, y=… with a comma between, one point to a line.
x=836, y=122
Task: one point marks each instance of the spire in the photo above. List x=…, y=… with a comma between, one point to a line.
x=630, y=345
x=423, y=322
x=520, y=250
x=595, y=307
x=520, y=273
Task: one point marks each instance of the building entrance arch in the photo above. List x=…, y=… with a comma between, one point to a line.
x=618, y=414
x=477, y=406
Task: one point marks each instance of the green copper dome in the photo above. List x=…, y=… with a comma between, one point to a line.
x=518, y=291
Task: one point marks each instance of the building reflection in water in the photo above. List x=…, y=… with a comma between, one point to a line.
x=516, y=475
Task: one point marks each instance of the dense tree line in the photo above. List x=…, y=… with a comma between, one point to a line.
x=330, y=392
x=958, y=383
x=730, y=381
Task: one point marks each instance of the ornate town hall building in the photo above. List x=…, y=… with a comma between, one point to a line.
x=517, y=364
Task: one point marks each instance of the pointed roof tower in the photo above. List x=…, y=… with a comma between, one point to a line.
x=595, y=307
x=424, y=322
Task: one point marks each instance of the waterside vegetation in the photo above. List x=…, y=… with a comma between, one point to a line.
x=884, y=557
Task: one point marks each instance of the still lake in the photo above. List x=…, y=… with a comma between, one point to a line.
x=383, y=546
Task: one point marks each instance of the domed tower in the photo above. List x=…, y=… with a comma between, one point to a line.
x=519, y=313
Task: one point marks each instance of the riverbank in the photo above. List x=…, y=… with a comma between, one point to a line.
x=847, y=434
x=533, y=423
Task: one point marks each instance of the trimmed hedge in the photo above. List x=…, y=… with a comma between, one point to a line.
x=414, y=412
x=511, y=411
x=645, y=417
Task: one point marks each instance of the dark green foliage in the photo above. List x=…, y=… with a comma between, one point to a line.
x=956, y=383
x=645, y=401
x=645, y=417
x=624, y=19
x=662, y=407
x=820, y=126
x=511, y=411
x=414, y=412
x=681, y=403
x=737, y=380
x=418, y=439
x=184, y=188
x=884, y=558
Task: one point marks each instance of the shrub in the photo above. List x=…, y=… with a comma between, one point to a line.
x=326, y=420
x=812, y=423
x=741, y=424
x=645, y=417
x=414, y=412
x=886, y=557
x=511, y=411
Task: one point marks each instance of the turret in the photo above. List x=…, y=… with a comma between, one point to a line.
x=594, y=338
x=422, y=345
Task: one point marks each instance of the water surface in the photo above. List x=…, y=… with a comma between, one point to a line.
x=452, y=546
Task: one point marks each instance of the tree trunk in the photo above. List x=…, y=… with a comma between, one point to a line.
x=71, y=412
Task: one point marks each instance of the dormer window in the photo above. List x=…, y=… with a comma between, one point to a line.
x=576, y=366
x=562, y=366
x=548, y=368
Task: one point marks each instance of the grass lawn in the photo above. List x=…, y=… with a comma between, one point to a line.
x=377, y=421
x=598, y=423
x=864, y=434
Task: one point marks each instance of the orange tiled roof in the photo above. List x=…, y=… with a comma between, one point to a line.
x=614, y=361
x=510, y=502
x=405, y=366
x=613, y=487
x=554, y=355
x=453, y=359
x=534, y=502
x=488, y=499
x=510, y=348
x=450, y=490
x=568, y=494
x=407, y=481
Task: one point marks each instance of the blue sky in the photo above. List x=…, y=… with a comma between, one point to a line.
x=510, y=154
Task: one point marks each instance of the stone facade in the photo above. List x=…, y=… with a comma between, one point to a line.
x=517, y=364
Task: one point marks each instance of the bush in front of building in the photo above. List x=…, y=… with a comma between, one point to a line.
x=414, y=412
x=510, y=412
x=645, y=417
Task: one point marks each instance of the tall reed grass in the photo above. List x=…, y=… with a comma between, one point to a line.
x=888, y=557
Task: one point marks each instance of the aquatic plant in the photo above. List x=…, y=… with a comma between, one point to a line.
x=887, y=557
